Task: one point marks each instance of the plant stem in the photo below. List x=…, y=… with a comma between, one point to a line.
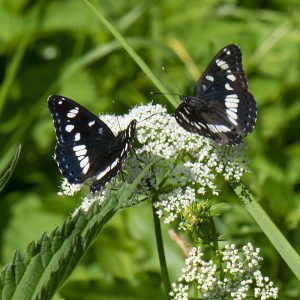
x=216, y=247
x=161, y=253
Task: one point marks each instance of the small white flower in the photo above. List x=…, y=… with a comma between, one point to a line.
x=68, y=189
x=240, y=280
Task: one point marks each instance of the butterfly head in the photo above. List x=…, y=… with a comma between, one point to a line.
x=127, y=135
x=131, y=128
x=184, y=98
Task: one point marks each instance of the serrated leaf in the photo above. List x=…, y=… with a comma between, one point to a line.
x=48, y=263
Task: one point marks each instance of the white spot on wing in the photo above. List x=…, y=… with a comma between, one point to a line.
x=103, y=173
x=77, y=137
x=210, y=78
x=233, y=121
x=222, y=128
x=184, y=117
x=69, y=127
x=70, y=115
x=212, y=127
x=222, y=64
x=86, y=168
x=186, y=110
x=84, y=162
x=231, y=114
x=231, y=77
x=78, y=147
x=73, y=112
x=199, y=125
x=81, y=152
x=232, y=98
x=91, y=123
x=228, y=87
x=231, y=104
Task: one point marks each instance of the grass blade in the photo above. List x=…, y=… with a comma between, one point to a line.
x=139, y=61
x=278, y=240
x=6, y=174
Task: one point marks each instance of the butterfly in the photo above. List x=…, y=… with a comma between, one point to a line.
x=86, y=147
x=221, y=107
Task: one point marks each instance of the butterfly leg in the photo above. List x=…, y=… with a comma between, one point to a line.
x=137, y=157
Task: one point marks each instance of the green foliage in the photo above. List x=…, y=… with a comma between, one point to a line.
x=61, y=47
x=5, y=175
x=47, y=264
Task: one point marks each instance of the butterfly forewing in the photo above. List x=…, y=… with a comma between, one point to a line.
x=74, y=124
x=86, y=147
x=221, y=108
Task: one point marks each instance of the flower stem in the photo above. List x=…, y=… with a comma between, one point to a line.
x=161, y=253
x=216, y=247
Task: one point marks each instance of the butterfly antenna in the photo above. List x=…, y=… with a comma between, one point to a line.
x=113, y=102
x=122, y=175
x=137, y=156
x=160, y=93
x=147, y=118
x=172, y=79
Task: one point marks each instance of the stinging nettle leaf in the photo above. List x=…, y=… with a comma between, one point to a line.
x=45, y=265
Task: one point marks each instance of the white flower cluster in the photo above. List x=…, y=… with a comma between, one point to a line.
x=187, y=163
x=241, y=276
x=68, y=189
x=191, y=160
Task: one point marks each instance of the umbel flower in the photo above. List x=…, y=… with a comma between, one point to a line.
x=240, y=279
x=185, y=165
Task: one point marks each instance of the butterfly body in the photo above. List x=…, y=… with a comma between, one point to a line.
x=221, y=107
x=86, y=147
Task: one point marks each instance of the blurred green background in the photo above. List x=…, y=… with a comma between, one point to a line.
x=60, y=47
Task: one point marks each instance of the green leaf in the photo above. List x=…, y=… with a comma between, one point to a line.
x=47, y=264
x=6, y=174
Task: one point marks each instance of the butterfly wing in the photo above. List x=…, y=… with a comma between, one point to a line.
x=221, y=107
x=118, y=151
x=74, y=124
x=86, y=147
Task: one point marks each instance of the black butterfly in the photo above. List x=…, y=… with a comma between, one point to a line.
x=221, y=107
x=86, y=147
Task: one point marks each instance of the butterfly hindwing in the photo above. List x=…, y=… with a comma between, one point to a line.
x=117, y=152
x=86, y=147
x=221, y=107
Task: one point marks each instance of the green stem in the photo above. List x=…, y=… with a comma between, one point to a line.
x=216, y=247
x=161, y=253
